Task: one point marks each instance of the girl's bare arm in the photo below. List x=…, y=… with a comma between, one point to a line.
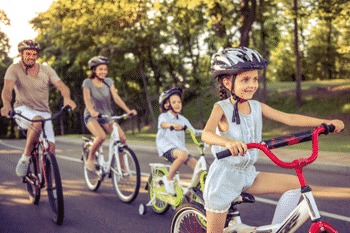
x=298, y=120
x=209, y=135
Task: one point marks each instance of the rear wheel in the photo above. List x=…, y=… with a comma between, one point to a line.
x=127, y=183
x=159, y=207
x=189, y=217
x=32, y=180
x=92, y=179
x=54, y=187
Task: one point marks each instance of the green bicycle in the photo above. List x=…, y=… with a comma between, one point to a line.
x=160, y=200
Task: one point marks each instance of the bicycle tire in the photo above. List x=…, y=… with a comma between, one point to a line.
x=190, y=217
x=92, y=179
x=54, y=188
x=160, y=207
x=32, y=180
x=126, y=185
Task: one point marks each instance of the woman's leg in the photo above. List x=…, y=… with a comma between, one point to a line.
x=215, y=221
x=100, y=136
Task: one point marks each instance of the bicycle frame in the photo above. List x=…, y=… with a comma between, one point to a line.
x=114, y=146
x=307, y=207
x=180, y=191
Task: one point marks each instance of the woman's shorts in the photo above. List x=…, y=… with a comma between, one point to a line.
x=225, y=182
x=30, y=114
x=101, y=121
x=169, y=155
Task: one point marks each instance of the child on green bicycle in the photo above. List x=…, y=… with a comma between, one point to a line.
x=171, y=137
x=235, y=122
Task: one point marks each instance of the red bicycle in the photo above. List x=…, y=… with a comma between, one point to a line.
x=43, y=172
x=190, y=217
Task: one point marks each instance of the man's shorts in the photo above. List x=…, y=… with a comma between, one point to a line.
x=30, y=114
x=169, y=155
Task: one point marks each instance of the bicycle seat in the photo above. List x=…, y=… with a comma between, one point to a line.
x=87, y=138
x=244, y=198
x=22, y=130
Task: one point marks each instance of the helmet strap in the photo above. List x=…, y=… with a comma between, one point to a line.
x=27, y=66
x=235, y=115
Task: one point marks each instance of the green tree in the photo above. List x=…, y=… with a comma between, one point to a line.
x=5, y=62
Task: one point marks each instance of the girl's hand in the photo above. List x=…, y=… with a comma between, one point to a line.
x=95, y=114
x=339, y=125
x=177, y=127
x=236, y=147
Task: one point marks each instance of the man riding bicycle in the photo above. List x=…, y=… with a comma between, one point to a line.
x=31, y=80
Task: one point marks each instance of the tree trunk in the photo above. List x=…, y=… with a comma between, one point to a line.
x=249, y=16
x=149, y=104
x=296, y=43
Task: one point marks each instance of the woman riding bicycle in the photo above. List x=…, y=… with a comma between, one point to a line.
x=235, y=122
x=97, y=91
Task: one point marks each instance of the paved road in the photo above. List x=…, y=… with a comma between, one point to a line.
x=101, y=211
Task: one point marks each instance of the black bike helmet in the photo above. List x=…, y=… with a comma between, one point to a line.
x=165, y=95
x=96, y=61
x=234, y=61
x=28, y=44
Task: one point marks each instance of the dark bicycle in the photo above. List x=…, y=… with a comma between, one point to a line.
x=43, y=171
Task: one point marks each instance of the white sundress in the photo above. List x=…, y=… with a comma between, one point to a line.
x=228, y=177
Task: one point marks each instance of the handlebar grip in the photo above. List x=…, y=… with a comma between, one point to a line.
x=327, y=129
x=172, y=128
x=67, y=108
x=223, y=154
x=12, y=114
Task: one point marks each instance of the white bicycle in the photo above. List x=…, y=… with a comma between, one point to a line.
x=122, y=166
x=191, y=217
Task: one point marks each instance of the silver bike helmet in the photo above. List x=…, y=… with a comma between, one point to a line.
x=96, y=61
x=28, y=44
x=236, y=60
x=166, y=95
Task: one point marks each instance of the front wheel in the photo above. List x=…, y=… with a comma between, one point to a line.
x=190, y=217
x=54, y=187
x=322, y=227
x=92, y=179
x=32, y=181
x=127, y=183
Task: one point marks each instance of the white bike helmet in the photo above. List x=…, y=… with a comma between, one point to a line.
x=166, y=95
x=234, y=61
x=96, y=61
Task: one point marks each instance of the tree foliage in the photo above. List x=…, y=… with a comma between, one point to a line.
x=154, y=45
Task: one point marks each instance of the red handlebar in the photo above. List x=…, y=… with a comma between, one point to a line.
x=298, y=163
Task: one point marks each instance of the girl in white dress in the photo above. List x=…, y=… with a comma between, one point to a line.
x=235, y=122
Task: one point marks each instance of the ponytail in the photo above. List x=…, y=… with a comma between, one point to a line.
x=223, y=90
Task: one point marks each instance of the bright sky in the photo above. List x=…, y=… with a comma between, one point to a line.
x=20, y=12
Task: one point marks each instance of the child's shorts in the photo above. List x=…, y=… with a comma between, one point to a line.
x=225, y=182
x=169, y=155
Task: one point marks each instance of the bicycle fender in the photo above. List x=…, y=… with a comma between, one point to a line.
x=321, y=226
